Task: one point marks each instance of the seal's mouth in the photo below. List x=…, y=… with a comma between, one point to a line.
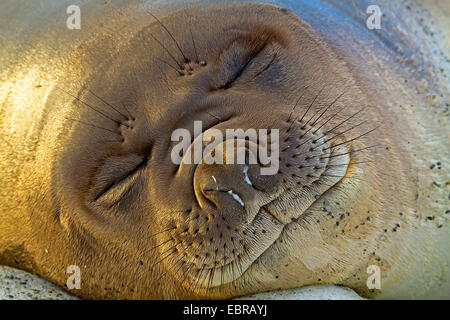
x=242, y=221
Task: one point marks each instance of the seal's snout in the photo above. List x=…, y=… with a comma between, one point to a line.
x=230, y=191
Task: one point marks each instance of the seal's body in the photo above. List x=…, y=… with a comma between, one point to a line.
x=86, y=171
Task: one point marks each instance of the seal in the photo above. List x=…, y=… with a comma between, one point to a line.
x=87, y=178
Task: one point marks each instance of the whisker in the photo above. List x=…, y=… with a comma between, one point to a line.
x=295, y=120
x=165, y=257
x=168, y=52
x=158, y=245
x=199, y=273
x=213, y=270
x=126, y=109
x=170, y=34
x=232, y=267
x=174, y=68
x=312, y=103
x=192, y=286
x=169, y=229
x=91, y=107
x=340, y=133
x=331, y=117
x=147, y=251
x=110, y=105
x=180, y=257
x=222, y=267
x=362, y=135
x=304, y=134
x=343, y=154
x=307, y=110
x=235, y=256
x=344, y=121
x=186, y=273
x=93, y=126
x=307, y=140
x=350, y=163
x=296, y=103
x=155, y=234
x=329, y=106
x=195, y=48
x=339, y=165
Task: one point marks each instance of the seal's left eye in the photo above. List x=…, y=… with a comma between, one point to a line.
x=115, y=178
x=239, y=62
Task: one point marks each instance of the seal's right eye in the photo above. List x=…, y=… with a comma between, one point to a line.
x=115, y=178
x=248, y=56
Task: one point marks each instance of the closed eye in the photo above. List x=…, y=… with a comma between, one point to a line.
x=242, y=67
x=116, y=179
x=266, y=67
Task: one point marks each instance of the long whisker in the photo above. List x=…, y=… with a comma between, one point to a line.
x=328, y=120
x=180, y=257
x=222, y=275
x=337, y=165
x=152, y=266
x=296, y=103
x=197, y=60
x=170, y=34
x=168, y=52
x=126, y=109
x=345, y=153
x=312, y=103
x=307, y=110
x=108, y=104
x=174, y=68
x=329, y=106
x=344, y=121
x=235, y=256
x=192, y=286
x=91, y=107
x=362, y=135
x=93, y=126
x=340, y=134
x=199, y=273
x=172, y=228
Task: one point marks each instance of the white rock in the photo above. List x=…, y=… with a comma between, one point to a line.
x=20, y=285
x=323, y=292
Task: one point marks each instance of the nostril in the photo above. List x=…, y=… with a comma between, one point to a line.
x=211, y=196
x=217, y=196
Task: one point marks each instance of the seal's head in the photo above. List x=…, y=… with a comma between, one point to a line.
x=143, y=226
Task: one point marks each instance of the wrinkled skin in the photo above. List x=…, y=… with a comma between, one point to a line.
x=87, y=179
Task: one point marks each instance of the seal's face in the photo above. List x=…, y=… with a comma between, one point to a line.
x=218, y=230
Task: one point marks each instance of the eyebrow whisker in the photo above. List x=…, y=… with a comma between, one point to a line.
x=92, y=108
x=108, y=104
x=170, y=34
x=93, y=125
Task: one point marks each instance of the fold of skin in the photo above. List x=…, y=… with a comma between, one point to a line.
x=397, y=203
